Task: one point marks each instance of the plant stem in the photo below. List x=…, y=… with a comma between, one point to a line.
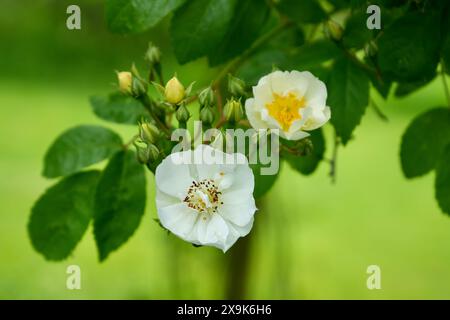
x=148, y=105
x=333, y=160
x=444, y=82
x=129, y=143
x=378, y=111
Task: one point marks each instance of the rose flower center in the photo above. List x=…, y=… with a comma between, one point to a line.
x=285, y=109
x=203, y=196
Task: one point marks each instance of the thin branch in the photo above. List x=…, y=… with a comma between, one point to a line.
x=129, y=143
x=333, y=160
x=378, y=111
x=444, y=82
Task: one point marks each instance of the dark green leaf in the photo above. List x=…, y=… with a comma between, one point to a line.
x=405, y=88
x=263, y=183
x=118, y=108
x=62, y=214
x=308, y=164
x=423, y=142
x=262, y=63
x=199, y=27
x=348, y=97
x=249, y=17
x=409, y=47
x=314, y=54
x=79, y=147
x=356, y=33
x=442, y=183
x=127, y=16
x=304, y=11
x=119, y=202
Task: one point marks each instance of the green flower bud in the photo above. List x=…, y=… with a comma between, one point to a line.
x=233, y=111
x=148, y=132
x=153, y=55
x=206, y=97
x=146, y=154
x=207, y=115
x=333, y=30
x=174, y=91
x=182, y=114
x=139, y=87
x=125, y=79
x=236, y=86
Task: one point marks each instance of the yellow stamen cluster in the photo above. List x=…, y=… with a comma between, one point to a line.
x=286, y=109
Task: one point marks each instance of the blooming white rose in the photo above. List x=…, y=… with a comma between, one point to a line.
x=293, y=102
x=206, y=204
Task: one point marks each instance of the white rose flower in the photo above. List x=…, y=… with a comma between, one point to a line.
x=293, y=102
x=205, y=204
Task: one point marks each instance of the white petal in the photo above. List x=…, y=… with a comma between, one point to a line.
x=212, y=231
x=237, y=207
x=210, y=162
x=254, y=115
x=235, y=232
x=173, y=177
x=178, y=218
x=317, y=119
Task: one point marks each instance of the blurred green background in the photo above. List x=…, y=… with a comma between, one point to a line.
x=311, y=240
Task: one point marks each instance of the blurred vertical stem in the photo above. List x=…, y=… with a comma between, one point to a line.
x=444, y=82
x=239, y=264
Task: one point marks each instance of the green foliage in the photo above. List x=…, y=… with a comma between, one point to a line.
x=348, y=96
x=423, y=142
x=442, y=183
x=356, y=33
x=409, y=47
x=118, y=108
x=79, y=147
x=245, y=28
x=62, y=214
x=119, y=202
x=307, y=164
x=127, y=16
x=263, y=183
x=199, y=27
x=305, y=11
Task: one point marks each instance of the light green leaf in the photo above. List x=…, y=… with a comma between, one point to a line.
x=129, y=16
x=118, y=108
x=442, y=183
x=61, y=215
x=308, y=164
x=245, y=27
x=199, y=27
x=79, y=147
x=409, y=47
x=119, y=202
x=348, y=89
x=303, y=11
x=423, y=142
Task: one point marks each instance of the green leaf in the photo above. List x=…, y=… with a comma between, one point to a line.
x=423, y=142
x=245, y=28
x=199, y=27
x=263, y=183
x=405, y=88
x=304, y=11
x=409, y=47
x=348, y=98
x=260, y=64
x=80, y=147
x=442, y=183
x=356, y=33
x=118, y=108
x=62, y=214
x=129, y=16
x=308, y=164
x=315, y=54
x=119, y=202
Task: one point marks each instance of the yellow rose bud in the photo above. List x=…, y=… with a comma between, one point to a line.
x=125, y=79
x=174, y=91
